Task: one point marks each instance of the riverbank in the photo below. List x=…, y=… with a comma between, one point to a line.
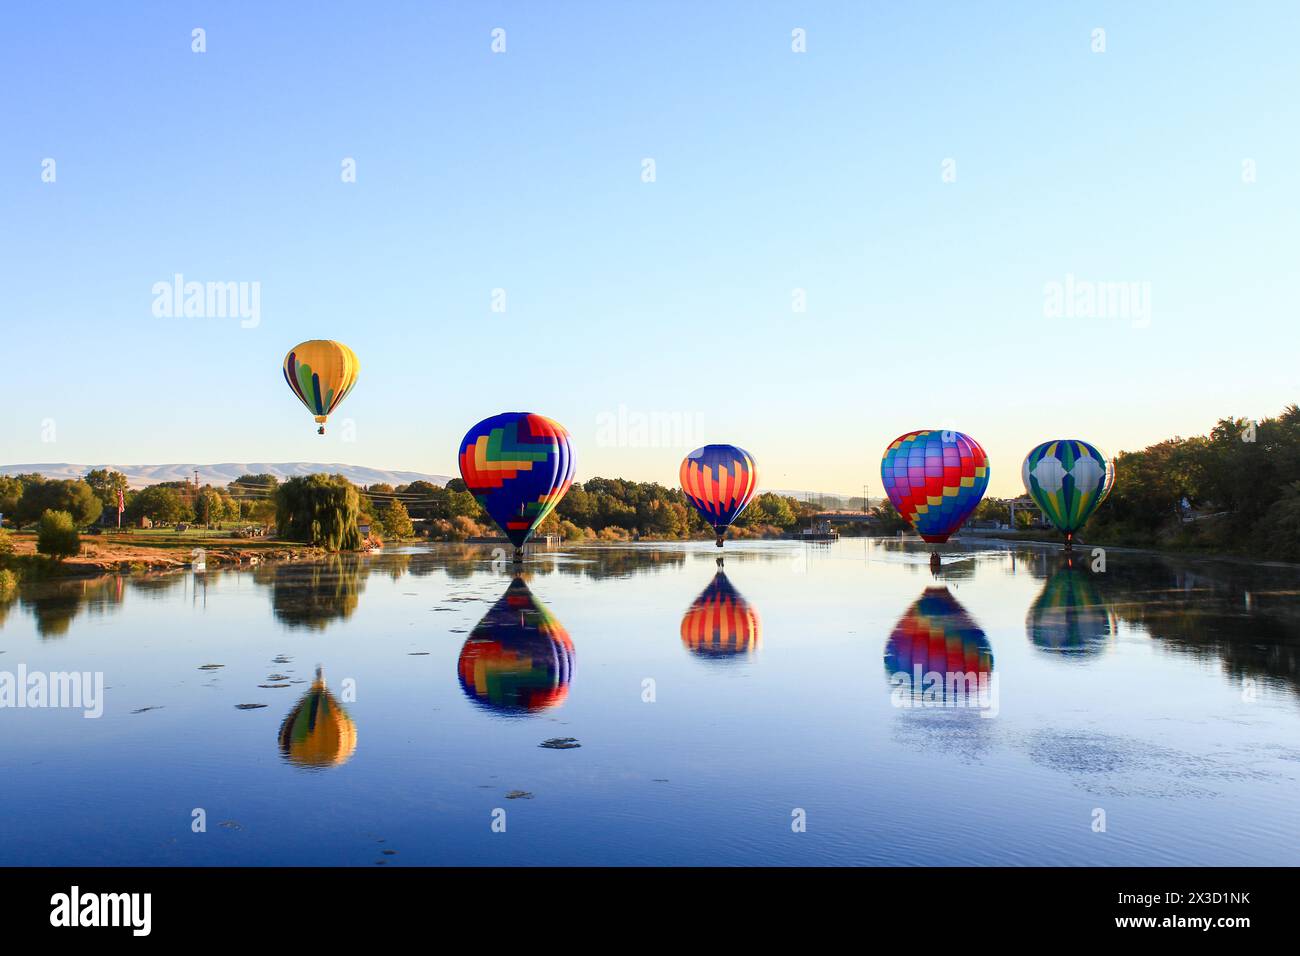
x=165, y=551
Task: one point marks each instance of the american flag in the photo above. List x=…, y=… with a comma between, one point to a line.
x=121, y=502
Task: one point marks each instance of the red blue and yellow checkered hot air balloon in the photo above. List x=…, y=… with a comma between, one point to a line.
x=321, y=373
x=938, y=637
x=1068, y=479
x=519, y=659
x=721, y=624
x=720, y=480
x=518, y=465
x=935, y=479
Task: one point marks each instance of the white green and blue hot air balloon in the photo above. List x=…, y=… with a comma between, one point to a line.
x=1068, y=479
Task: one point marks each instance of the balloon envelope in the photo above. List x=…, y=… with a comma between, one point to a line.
x=721, y=623
x=321, y=373
x=720, y=481
x=1071, y=617
x=518, y=465
x=937, y=636
x=935, y=479
x=318, y=732
x=519, y=658
x=1068, y=479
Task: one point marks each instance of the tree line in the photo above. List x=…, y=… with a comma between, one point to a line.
x=1235, y=490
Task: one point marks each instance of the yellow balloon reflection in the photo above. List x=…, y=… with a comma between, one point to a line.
x=721, y=624
x=1070, y=617
x=318, y=732
x=519, y=659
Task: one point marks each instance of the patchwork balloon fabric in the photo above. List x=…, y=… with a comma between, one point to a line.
x=518, y=465
x=935, y=479
x=1068, y=479
x=720, y=480
x=519, y=658
x=937, y=636
x=721, y=623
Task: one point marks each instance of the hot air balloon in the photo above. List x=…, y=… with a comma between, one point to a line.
x=1070, y=617
x=321, y=373
x=720, y=480
x=518, y=465
x=318, y=732
x=1068, y=479
x=721, y=624
x=937, y=637
x=935, y=479
x=519, y=658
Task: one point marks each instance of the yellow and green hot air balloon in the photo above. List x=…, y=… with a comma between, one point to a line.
x=318, y=732
x=321, y=373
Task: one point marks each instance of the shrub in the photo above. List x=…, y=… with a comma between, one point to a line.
x=57, y=536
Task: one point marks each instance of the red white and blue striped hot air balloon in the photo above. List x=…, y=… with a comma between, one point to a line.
x=935, y=479
x=721, y=624
x=518, y=465
x=720, y=480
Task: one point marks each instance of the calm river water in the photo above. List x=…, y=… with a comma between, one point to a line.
x=811, y=704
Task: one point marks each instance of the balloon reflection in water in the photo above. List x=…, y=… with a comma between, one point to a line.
x=318, y=732
x=1070, y=617
x=721, y=624
x=518, y=659
x=937, y=655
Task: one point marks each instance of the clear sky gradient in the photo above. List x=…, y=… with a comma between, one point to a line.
x=522, y=171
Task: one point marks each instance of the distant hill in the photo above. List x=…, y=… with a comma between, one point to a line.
x=138, y=476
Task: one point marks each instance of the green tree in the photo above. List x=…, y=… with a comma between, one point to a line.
x=1278, y=535
x=260, y=510
x=422, y=498
x=396, y=521
x=72, y=497
x=56, y=535
x=263, y=482
x=158, y=503
x=321, y=510
x=106, y=485
x=208, y=507
x=11, y=492
x=778, y=509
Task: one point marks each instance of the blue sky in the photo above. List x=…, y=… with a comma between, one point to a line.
x=522, y=171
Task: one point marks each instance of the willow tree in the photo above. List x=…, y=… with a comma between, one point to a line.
x=321, y=510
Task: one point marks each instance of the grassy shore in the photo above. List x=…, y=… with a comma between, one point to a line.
x=151, y=551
